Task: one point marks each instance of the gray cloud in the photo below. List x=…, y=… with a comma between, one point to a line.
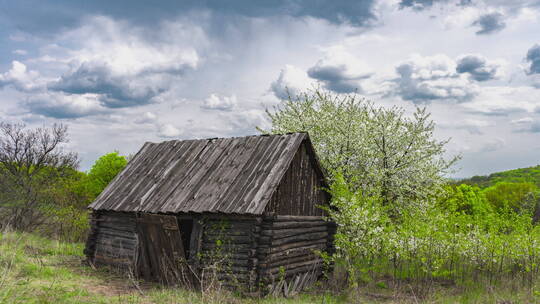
x=534, y=127
x=116, y=91
x=64, y=106
x=476, y=66
x=340, y=71
x=336, y=79
x=48, y=18
x=427, y=79
x=490, y=23
x=423, y=4
x=533, y=57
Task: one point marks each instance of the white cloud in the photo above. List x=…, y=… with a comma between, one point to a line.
x=21, y=78
x=169, y=131
x=59, y=105
x=291, y=81
x=20, y=52
x=426, y=79
x=147, y=118
x=222, y=103
x=340, y=71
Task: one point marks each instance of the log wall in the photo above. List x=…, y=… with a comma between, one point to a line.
x=228, y=251
x=287, y=252
x=112, y=239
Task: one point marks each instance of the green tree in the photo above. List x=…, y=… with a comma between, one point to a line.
x=519, y=197
x=103, y=171
x=380, y=151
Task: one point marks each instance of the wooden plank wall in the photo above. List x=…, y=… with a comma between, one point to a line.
x=300, y=190
x=287, y=256
x=112, y=240
x=228, y=251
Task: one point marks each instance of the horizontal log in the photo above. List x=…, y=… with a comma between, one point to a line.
x=224, y=217
x=315, y=236
x=281, y=233
x=228, y=239
x=290, y=261
x=288, y=225
x=292, y=252
x=274, y=249
x=293, y=218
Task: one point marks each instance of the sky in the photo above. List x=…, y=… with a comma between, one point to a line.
x=120, y=73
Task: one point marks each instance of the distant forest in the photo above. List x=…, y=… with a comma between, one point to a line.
x=522, y=175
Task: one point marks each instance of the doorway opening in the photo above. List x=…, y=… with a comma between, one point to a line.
x=186, y=227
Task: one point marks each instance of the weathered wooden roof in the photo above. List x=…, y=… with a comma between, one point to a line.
x=223, y=175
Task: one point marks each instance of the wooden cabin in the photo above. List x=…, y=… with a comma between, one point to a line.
x=242, y=210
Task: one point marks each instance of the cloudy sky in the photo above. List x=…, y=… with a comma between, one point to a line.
x=120, y=73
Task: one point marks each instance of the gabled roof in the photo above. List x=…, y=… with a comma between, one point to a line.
x=223, y=175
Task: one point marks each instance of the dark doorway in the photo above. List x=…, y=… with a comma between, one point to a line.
x=186, y=227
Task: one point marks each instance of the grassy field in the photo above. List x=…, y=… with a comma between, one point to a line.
x=34, y=269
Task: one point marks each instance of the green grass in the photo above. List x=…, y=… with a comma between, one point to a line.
x=34, y=269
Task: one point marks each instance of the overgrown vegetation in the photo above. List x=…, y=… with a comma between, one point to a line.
x=398, y=218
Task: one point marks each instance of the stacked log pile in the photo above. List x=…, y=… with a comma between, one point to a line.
x=287, y=252
x=228, y=251
x=113, y=240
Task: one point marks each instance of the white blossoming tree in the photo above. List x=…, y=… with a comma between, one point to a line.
x=380, y=151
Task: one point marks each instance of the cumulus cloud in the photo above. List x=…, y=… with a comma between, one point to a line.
x=124, y=68
x=168, y=131
x=221, y=103
x=21, y=78
x=477, y=67
x=114, y=90
x=58, y=105
x=426, y=79
x=291, y=82
x=533, y=58
x=490, y=23
x=340, y=72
